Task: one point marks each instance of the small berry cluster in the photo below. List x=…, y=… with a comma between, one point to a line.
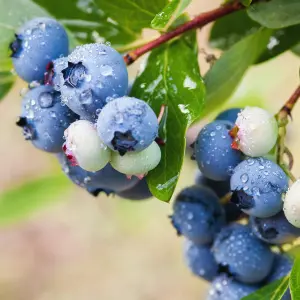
x=229, y=242
x=77, y=103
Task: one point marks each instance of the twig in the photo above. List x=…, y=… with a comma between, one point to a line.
x=197, y=22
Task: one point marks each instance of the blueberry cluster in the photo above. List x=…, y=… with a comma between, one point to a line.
x=234, y=214
x=77, y=107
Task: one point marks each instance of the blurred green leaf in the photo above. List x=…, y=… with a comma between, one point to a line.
x=117, y=21
x=6, y=82
x=276, y=13
x=273, y=291
x=172, y=77
x=246, y=2
x=22, y=201
x=296, y=49
x=225, y=75
x=165, y=18
x=231, y=29
x=295, y=280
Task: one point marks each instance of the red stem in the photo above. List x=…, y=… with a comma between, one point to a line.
x=198, y=21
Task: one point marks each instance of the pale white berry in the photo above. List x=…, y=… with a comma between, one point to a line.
x=291, y=206
x=257, y=131
x=137, y=162
x=83, y=142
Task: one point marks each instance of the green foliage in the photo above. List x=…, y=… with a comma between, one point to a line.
x=295, y=280
x=225, y=75
x=165, y=18
x=171, y=77
x=246, y=2
x=276, y=13
x=119, y=21
x=22, y=201
x=6, y=82
x=273, y=291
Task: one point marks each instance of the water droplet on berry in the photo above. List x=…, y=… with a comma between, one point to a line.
x=45, y=100
x=106, y=70
x=244, y=178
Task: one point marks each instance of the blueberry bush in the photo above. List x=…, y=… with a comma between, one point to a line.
x=240, y=219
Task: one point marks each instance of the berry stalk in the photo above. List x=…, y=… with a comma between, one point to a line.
x=197, y=22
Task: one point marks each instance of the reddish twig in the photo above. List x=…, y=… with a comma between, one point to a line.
x=287, y=108
x=197, y=22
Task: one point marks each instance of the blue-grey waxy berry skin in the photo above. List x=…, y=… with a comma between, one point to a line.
x=93, y=75
x=258, y=185
x=106, y=180
x=274, y=230
x=197, y=214
x=221, y=188
x=246, y=258
x=229, y=115
x=36, y=44
x=138, y=192
x=225, y=288
x=213, y=152
x=281, y=267
x=44, y=119
x=200, y=260
x=127, y=124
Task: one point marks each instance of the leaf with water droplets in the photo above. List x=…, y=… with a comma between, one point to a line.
x=165, y=18
x=276, y=13
x=273, y=291
x=172, y=77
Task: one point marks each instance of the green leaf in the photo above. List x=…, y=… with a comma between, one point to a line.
x=280, y=41
x=273, y=291
x=165, y=18
x=296, y=49
x=276, y=13
x=21, y=202
x=246, y=2
x=295, y=280
x=6, y=82
x=230, y=29
x=117, y=21
x=225, y=75
x=172, y=77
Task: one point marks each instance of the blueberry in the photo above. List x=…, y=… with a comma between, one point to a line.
x=138, y=192
x=258, y=184
x=90, y=77
x=200, y=260
x=215, y=157
x=225, y=288
x=37, y=43
x=107, y=179
x=198, y=215
x=229, y=115
x=275, y=229
x=127, y=124
x=247, y=258
x=281, y=267
x=221, y=188
x=291, y=206
x=44, y=119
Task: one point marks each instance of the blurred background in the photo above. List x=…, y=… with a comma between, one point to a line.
x=77, y=247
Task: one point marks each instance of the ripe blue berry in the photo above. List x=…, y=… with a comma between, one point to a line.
x=139, y=192
x=221, y=188
x=275, y=229
x=197, y=214
x=200, y=260
x=44, y=119
x=229, y=115
x=281, y=267
x=107, y=179
x=36, y=44
x=247, y=258
x=92, y=75
x=127, y=124
x=225, y=288
x=258, y=184
x=215, y=157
